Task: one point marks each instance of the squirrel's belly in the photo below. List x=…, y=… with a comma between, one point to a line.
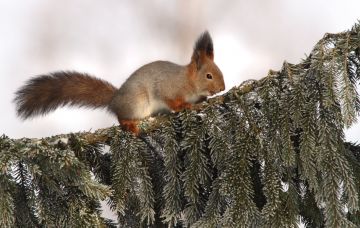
x=156, y=107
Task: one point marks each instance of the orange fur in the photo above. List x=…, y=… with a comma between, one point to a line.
x=130, y=125
x=191, y=70
x=178, y=104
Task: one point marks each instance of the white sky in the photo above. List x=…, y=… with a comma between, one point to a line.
x=111, y=39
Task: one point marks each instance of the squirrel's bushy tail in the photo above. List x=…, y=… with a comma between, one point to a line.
x=45, y=93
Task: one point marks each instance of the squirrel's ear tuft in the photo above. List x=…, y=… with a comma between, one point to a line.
x=203, y=48
x=204, y=45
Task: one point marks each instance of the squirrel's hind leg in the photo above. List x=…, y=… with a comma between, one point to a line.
x=130, y=125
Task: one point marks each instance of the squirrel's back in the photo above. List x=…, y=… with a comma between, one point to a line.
x=155, y=76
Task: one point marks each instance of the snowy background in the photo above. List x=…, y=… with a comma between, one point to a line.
x=111, y=39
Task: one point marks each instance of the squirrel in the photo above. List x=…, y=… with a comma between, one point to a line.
x=155, y=87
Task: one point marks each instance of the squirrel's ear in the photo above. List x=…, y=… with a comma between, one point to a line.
x=203, y=49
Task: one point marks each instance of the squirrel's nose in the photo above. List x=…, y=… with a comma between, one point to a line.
x=222, y=88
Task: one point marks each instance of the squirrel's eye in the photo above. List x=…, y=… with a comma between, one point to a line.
x=209, y=76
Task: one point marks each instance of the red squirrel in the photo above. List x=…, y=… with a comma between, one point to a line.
x=155, y=87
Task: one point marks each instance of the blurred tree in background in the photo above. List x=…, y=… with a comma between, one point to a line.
x=265, y=154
